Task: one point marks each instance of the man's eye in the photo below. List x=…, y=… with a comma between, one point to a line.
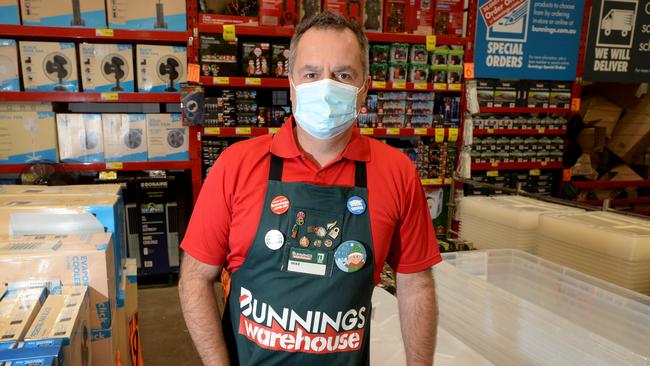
x=310, y=75
x=345, y=77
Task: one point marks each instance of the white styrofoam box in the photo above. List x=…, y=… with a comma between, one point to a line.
x=516, y=308
x=125, y=137
x=8, y=65
x=27, y=137
x=80, y=137
x=49, y=66
x=9, y=13
x=106, y=67
x=167, y=138
x=164, y=15
x=26, y=107
x=64, y=13
x=161, y=68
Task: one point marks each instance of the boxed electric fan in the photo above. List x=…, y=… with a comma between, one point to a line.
x=167, y=138
x=49, y=66
x=80, y=137
x=161, y=68
x=106, y=67
x=125, y=137
x=9, y=13
x=166, y=15
x=64, y=13
x=27, y=137
x=8, y=65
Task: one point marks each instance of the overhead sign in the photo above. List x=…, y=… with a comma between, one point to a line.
x=618, y=47
x=528, y=39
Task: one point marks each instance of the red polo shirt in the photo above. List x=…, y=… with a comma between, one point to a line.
x=228, y=211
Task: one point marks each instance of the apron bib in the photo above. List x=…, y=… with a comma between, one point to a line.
x=302, y=295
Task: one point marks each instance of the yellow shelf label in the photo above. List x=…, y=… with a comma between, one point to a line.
x=117, y=165
x=273, y=130
x=431, y=43
x=541, y=130
x=454, y=87
x=420, y=86
x=575, y=102
x=494, y=165
x=229, y=33
x=440, y=134
x=492, y=173
x=453, y=134
x=221, y=80
x=437, y=181
x=109, y=96
x=490, y=130
x=449, y=181
x=112, y=175
x=420, y=131
x=253, y=81
x=440, y=86
x=544, y=163
x=426, y=182
x=212, y=131
x=243, y=130
x=378, y=85
x=367, y=131
x=399, y=85
x=392, y=131
x=104, y=32
x=534, y=172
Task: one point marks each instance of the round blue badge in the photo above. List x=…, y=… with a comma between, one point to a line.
x=350, y=256
x=356, y=205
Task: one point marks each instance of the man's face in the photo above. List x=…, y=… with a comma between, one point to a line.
x=329, y=53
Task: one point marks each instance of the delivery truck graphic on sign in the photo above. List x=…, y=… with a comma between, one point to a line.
x=617, y=20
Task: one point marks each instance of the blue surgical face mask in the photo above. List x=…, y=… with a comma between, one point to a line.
x=325, y=108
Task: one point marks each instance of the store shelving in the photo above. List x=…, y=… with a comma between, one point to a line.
x=409, y=86
x=618, y=201
x=89, y=97
x=537, y=131
x=518, y=166
x=450, y=134
x=98, y=167
x=90, y=34
x=611, y=184
x=518, y=110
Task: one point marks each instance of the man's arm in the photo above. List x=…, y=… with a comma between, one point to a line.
x=199, y=305
x=418, y=312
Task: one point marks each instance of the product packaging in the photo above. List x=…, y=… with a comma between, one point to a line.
x=455, y=56
x=49, y=66
x=106, y=67
x=422, y=13
x=505, y=94
x=418, y=73
x=399, y=52
x=397, y=72
x=80, y=13
x=439, y=75
x=280, y=60
x=373, y=15
x=8, y=65
x=125, y=137
x=485, y=92
x=352, y=10
x=27, y=137
x=48, y=352
x=9, y=13
x=418, y=54
x=439, y=56
x=218, y=57
x=73, y=190
x=229, y=11
x=18, y=308
x=255, y=58
x=395, y=16
x=161, y=68
x=163, y=15
x=560, y=95
x=379, y=53
x=277, y=13
x=80, y=138
x=449, y=17
x=167, y=138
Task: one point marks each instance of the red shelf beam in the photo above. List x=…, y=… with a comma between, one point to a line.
x=612, y=184
x=377, y=132
x=98, y=167
x=524, y=110
x=517, y=166
x=91, y=34
x=90, y=97
x=618, y=201
x=483, y=132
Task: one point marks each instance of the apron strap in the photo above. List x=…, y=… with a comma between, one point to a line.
x=277, y=164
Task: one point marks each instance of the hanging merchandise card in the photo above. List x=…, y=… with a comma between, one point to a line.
x=618, y=47
x=528, y=39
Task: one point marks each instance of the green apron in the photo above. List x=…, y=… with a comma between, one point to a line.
x=302, y=295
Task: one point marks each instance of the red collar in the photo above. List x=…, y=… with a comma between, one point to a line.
x=284, y=144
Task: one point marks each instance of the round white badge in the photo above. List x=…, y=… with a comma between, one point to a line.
x=274, y=239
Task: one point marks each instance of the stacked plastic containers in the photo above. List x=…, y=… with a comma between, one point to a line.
x=504, y=222
x=518, y=309
x=612, y=247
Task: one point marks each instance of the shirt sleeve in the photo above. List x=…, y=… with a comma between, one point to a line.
x=206, y=237
x=414, y=246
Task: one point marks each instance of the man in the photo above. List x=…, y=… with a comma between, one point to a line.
x=281, y=212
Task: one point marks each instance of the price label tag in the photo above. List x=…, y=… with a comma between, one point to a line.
x=490, y=130
x=392, y=131
x=378, y=85
x=109, y=96
x=426, y=182
x=243, y=130
x=575, y=104
x=367, y=131
x=566, y=175
x=212, y=131
x=454, y=87
x=399, y=85
x=492, y=173
x=449, y=181
x=420, y=86
x=541, y=130
x=544, y=163
x=253, y=81
x=439, y=134
x=193, y=73
x=229, y=33
x=221, y=80
x=104, y=32
x=437, y=181
x=112, y=175
x=273, y=130
x=115, y=165
x=535, y=172
x=453, y=135
x=469, y=70
x=431, y=43
x=494, y=165
x=420, y=131
x=440, y=86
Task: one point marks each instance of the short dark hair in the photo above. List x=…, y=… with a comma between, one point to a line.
x=329, y=20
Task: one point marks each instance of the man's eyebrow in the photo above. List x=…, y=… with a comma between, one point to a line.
x=345, y=68
x=311, y=68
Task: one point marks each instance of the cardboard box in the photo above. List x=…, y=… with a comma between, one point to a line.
x=600, y=112
x=125, y=137
x=218, y=57
x=73, y=190
x=63, y=13
x=539, y=94
x=505, y=93
x=9, y=13
x=167, y=138
x=255, y=58
x=18, y=309
x=560, y=95
x=373, y=15
x=229, y=12
x=164, y=15
x=631, y=136
x=449, y=16
x=592, y=139
x=309, y=8
x=396, y=16
x=49, y=66
x=485, y=92
x=280, y=60
x=9, y=80
x=105, y=347
x=352, y=10
x=27, y=137
x=161, y=68
x=277, y=13
x=106, y=67
x=65, y=316
x=80, y=137
x=75, y=260
x=48, y=352
x=422, y=22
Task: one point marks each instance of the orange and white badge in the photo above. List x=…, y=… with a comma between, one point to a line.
x=280, y=205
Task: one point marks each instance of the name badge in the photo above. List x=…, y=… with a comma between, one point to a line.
x=314, y=262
